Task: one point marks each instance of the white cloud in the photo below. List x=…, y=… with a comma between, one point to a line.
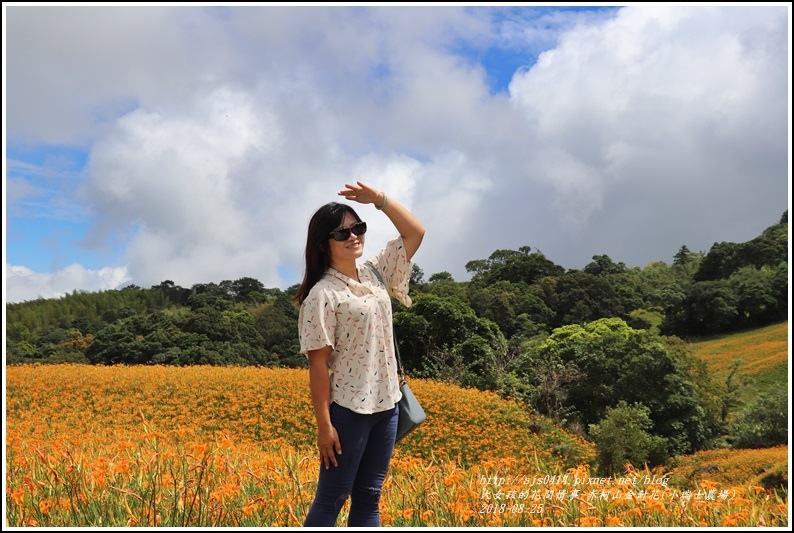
x=192, y=185
x=23, y=284
x=650, y=115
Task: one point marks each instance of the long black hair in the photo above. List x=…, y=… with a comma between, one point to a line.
x=318, y=256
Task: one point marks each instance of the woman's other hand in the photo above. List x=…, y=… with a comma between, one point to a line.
x=328, y=443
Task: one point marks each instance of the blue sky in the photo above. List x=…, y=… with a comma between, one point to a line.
x=192, y=144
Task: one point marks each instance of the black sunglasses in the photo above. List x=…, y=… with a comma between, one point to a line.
x=343, y=234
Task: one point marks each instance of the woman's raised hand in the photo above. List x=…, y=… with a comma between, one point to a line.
x=362, y=193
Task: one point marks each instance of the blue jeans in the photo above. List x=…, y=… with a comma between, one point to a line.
x=367, y=444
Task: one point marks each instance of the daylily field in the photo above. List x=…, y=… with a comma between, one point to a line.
x=220, y=446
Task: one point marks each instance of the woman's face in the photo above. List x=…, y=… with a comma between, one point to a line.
x=350, y=249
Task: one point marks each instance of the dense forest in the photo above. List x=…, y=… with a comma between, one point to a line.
x=600, y=350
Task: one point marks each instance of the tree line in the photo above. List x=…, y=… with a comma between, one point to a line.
x=596, y=349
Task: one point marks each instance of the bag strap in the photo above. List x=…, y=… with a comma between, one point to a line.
x=394, y=334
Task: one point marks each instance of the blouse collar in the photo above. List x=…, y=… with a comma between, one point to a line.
x=356, y=286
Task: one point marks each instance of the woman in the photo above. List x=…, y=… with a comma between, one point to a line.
x=346, y=326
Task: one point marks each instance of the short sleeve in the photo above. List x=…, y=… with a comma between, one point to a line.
x=392, y=263
x=317, y=321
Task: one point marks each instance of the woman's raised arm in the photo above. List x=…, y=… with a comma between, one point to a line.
x=411, y=230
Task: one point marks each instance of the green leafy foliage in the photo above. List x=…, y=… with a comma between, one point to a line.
x=585, y=370
x=443, y=338
x=624, y=436
x=513, y=266
x=764, y=423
